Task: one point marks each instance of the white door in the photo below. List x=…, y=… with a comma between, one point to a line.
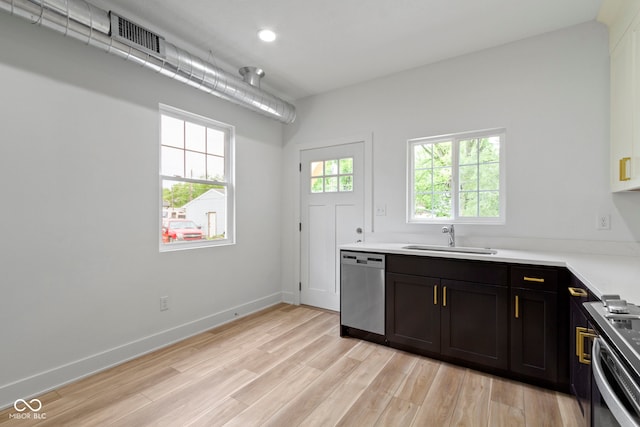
x=332, y=214
x=212, y=224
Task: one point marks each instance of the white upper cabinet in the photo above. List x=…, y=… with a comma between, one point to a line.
x=624, y=41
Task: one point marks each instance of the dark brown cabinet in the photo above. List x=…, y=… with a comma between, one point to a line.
x=474, y=323
x=451, y=308
x=413, y=311
x=534, y=323
x=581, y=339
x=510, y=319
x=534, y=335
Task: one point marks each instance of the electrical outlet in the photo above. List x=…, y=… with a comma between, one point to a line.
x=604, y=222
x=164, y=303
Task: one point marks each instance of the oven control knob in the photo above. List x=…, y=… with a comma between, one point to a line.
x=617, y=306
x=606, y=298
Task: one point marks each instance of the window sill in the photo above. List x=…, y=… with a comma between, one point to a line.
x=181, y=246
x=474, y=221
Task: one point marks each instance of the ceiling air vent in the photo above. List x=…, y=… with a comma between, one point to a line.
x=136, y=36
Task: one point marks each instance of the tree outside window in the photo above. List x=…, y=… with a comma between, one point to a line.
x=457, y=178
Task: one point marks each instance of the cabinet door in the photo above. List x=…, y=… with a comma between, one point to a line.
x=413, y=311
x=622, y=110
x=534, y=334
x=474, y=323
x=634, y=172
x=580, y=354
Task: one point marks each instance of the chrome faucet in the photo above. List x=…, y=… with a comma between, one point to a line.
x=452, y=234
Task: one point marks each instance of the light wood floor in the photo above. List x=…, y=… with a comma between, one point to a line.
x=287, y=366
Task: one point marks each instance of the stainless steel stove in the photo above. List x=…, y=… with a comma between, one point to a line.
x=615, y=362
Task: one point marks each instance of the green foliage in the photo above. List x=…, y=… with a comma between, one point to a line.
x=346, y=166
x=432, y=180
x=337, y=175
x=182, y=193
x=331, y=167
x=317, y=185
x=478, y=178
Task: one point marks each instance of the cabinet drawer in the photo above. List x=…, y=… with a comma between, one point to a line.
x=493, y=273
x=534, y=277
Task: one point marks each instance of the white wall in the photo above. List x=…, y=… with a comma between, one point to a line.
x=550, y=92
x=80, y=285
x=79, y=141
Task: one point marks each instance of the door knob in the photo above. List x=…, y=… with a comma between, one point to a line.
x=359, y=230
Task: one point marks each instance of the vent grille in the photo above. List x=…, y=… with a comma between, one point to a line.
x=136, y=36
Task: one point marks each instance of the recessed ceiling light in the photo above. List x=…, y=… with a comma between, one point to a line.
x=266, y=35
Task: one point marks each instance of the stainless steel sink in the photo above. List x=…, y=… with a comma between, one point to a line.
x=460, y=249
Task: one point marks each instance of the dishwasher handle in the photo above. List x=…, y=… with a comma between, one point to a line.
x=362, y=259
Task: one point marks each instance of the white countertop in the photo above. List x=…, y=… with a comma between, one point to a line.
x=602, y=274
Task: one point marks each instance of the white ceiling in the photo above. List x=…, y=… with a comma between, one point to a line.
x=327, y=44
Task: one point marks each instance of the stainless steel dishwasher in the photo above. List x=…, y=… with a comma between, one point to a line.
x=362, y=291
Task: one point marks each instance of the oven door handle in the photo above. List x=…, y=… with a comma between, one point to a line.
x=615, y=406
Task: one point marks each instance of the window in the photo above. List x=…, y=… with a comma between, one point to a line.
x=330, y=176
x=196, y=173
x=457, y=178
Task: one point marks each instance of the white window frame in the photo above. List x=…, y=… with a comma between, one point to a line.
x=337, y=175
x=228, y=183
x=455, y=139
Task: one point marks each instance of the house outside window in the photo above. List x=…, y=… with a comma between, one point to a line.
x=196, y=181
x=457, y=178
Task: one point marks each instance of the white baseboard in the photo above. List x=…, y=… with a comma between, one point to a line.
x=289, y=298
x=43, y=382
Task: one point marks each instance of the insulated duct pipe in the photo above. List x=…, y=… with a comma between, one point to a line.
x=92, y=25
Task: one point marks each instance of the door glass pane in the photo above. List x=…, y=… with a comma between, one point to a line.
x=346, y=183
x=317, y=185
x=331, y=167
x=317, y=168
x=346, y=166
x=331, y=184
